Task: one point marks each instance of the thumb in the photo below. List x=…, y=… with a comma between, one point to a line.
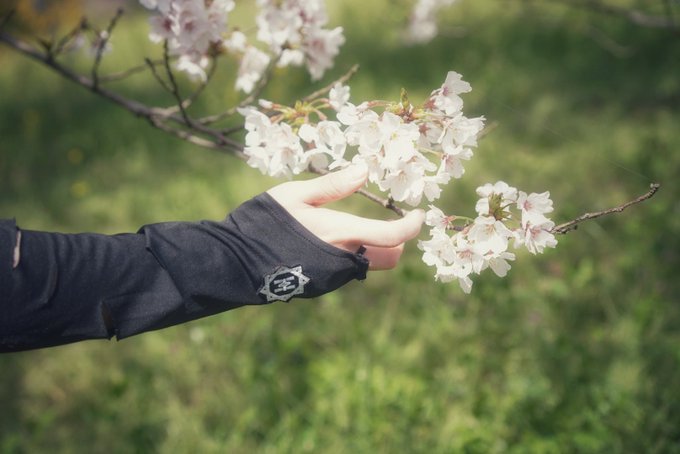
x=333, y=186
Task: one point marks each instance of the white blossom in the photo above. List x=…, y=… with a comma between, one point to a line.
x=294, y=31
x=272, y=148
x=506, y=194
x=338, y=97
x=534, y=206
x=410, y=153
x=489, y=235
x=536, y=235
x=499, y=264
x=446, y=99
x=189, y=27
x=253, y=64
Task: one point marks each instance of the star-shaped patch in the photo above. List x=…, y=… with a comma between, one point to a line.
x=284, y=283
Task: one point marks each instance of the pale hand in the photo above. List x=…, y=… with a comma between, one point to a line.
x=383, y=240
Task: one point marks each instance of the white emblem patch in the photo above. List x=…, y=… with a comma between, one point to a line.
x=284, y=283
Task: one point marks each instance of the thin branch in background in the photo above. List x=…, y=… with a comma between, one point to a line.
x=70, y=37
x=132, y=106
x=150, y=64
x=233, y=129
x=174, y=88
x=156, y=122
x=102, y=41
x=343, y=79
x=120, y=75
x=257, y=91
x=606, y=42
x=573, y=224
x=186, y=103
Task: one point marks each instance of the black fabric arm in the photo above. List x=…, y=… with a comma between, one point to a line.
x=71, y=287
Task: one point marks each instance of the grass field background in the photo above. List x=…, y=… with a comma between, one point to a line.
x=577, y=350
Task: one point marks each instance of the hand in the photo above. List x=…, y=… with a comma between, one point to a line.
x=383, y=240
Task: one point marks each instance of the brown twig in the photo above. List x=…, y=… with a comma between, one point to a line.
x=189, y=100
x=120, y=75
x=386, y=203
x=344, y=78
x=154, y=73
x=257, y=91
x=103, y=39
x=573, y=224
x=185, y=135
x=134, y=107
x=174, y=88
x=69, y=37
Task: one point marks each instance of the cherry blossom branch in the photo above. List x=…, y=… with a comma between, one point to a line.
x=120, y=75
x=198, y=133
x=342, y=80
x=573, y=224
x=189, y=100
x=134, y=107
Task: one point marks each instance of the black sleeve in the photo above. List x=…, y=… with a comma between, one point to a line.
x=71, y=287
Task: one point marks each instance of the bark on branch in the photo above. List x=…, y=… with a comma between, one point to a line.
x=573, y=224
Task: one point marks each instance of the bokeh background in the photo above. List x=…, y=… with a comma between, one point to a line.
x=577, y=350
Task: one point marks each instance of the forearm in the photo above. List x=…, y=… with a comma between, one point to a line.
x=73, y=287
x=67, y=288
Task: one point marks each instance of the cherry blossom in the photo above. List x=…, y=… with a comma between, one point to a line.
x=189, y=27
x=411, y=152
x=482, y=242
x=294, y=32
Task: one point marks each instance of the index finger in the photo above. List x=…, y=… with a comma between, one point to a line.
x=372, y=232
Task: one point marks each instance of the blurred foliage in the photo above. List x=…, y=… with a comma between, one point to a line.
x=575, y=351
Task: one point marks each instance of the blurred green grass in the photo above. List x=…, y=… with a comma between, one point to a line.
x=575, y=351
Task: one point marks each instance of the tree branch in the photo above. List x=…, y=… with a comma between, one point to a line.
x=347, y=76
x=386, y=203
x=135, y=107
x=120, y=75
x=573, y=224
x=202, y=135
x=257, y=91
x=67, y=39
x=102, y=41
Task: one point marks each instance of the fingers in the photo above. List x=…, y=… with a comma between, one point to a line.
x=324, y=189
x=383, y=258
x=372, y=232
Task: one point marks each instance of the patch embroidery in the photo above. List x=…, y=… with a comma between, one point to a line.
x=284, y=283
